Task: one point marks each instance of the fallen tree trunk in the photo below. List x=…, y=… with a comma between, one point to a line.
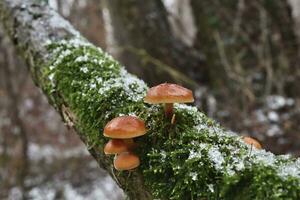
x=200, y=160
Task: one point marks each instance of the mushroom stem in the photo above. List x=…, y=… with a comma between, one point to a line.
x=169, y=110
x=130, y=143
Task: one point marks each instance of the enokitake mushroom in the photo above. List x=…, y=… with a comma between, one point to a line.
x=251, y=141
x=126, y=161
x=168, y=94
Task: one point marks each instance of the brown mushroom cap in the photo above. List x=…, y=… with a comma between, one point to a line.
x=168, y=93
x=115, y=146
x=125, y=127
x=126, y=161
x=251, y=141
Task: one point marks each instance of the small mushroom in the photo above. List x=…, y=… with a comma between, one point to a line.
x=115, y=146
x=251, y=141
x=168, y=94
x=126, y=161
x=125, y=127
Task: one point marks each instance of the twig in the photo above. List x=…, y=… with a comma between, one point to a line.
x=146, y=57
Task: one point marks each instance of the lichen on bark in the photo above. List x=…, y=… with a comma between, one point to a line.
x=193, y=159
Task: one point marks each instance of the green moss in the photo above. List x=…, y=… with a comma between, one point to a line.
x=193, y=159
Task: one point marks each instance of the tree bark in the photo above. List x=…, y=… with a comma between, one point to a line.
x=244, y=39
x=192, y=159
x=14, y=112
x=13, y=136
x=134, y=23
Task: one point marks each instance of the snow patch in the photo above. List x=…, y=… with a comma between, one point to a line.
x=274, y=130
x=273, y=116
x=84, y=69
x=194, y=175
x=216, y=157
x=82, y=58
x=129, y=83
x=211, y=187
x=37, y=152
x=276, y=102
x=185, y=107
x=263, y=157
x=290, y=169
x=57, y=22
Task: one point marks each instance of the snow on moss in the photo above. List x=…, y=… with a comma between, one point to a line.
x=193, y=175
x=196, y=153
x=263, y=157
x=216, y=157
x=84, y=69
x=211, y=188
x=84, y=58
x=76, y=42
x=188, y=108
x=290, y=170
x=131, y=86
x=61, y=56
x=196, y=150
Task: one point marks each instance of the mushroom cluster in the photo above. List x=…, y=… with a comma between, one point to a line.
x=122, y=130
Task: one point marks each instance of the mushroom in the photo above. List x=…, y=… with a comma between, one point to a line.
x=122, y=130
x=125, y=127
x=126, y=161
x=251, y=141
x=168, y=94
x=130, y=143
x=116, y=146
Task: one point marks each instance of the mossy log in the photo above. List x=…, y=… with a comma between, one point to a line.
x=193, y=159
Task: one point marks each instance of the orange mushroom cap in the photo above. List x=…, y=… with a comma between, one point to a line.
x=126, y=161
x=125, y=127
x=168, y=93
x=251, y=141
x=115, y=146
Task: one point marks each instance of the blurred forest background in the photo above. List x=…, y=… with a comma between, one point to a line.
x=240, y=57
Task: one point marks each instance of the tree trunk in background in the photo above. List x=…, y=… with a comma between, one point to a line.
x=246, y=43
x=88, y=20
x=142, y=38
x=253, y=54
x=15, y=135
